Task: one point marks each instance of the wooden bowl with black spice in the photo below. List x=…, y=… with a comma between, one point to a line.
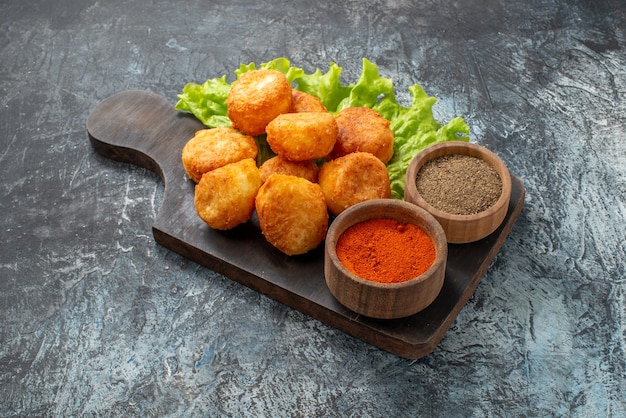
x=385, y=258
x=465, y=186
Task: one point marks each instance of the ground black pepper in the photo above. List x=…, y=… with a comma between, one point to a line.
x=459, y=184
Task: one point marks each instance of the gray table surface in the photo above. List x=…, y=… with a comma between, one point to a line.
x=96, y=319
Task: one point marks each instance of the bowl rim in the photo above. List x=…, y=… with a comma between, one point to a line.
x=457, y=147
x=436, y=234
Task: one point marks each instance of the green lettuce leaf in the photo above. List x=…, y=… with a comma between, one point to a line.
x=370, y=89
x=207, y=101
x=414, y=127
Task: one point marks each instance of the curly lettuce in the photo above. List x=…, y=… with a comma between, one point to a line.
x=414, y=127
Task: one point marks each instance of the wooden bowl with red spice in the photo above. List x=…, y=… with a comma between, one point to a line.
x=385, y=258
x=465, y=186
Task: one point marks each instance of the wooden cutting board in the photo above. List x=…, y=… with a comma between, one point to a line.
x=143, y=128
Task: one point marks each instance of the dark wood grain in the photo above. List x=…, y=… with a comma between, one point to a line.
x=144, y=128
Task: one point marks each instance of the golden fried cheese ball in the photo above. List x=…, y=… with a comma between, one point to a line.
x=292, y=213
x=224, y=197
x=363, y=129
x=353, y=178
x=302, y=136
x=305, y=102
x=278, y=165
x=213, y=148
x=256, y=98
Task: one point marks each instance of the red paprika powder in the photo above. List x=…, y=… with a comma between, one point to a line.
x=385, y=250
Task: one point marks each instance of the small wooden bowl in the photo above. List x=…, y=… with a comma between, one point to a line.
x=385, y=300
x=461, y=229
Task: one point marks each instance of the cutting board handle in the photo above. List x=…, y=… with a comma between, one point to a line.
x=142, y=128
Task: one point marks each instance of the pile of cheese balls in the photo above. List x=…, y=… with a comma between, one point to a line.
x=324, y=162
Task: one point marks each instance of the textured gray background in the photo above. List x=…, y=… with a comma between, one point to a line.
x=98, y=319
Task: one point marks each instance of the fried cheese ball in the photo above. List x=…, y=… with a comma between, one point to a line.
x=305, y=102
x=292, y=213
x=278, y=165
x=256, y=98
x=213, y=148
x=363, y=129
x=224, y=197
x=302, y=136
x=353, y=178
